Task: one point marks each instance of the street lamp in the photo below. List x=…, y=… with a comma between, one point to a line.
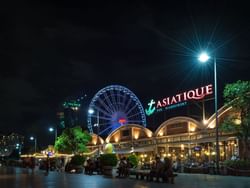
x=97, y=125
x=51, y=129
x=33, y=138
x=18, y=147
x=203, y=58
x=91, y=111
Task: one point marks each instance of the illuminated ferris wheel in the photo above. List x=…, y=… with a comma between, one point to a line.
x=112, y=107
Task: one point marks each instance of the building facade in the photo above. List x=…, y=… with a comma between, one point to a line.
x=178, y=137
x=9, y=143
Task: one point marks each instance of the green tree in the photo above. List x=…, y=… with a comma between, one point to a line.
x=133, y=159
x=108, y=159
x=72, y=140
x=237, y=95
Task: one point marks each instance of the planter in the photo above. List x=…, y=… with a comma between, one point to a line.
x=237, y=172
x=108, y=171
x=74, y=168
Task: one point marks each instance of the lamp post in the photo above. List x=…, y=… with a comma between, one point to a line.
x=51, y=129
x=18, y=147
x=35, y=141
x=97, y=125
x=91, y=111
x=203, y=58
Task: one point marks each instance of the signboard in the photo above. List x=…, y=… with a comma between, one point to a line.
x=178, y=100
x=197, y=148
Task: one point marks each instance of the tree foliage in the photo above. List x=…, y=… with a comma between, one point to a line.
x=237, y=95
x=133, y=159
x=72, y=140
x=108, y=159
x=78, y=160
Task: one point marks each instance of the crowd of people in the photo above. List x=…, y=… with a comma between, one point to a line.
x=162, y=169
x=159, y=169
x=91, y=165
x=48, y=164
x=123, y=167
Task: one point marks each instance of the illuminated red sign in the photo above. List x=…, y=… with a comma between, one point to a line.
x=196, y=94
x=122, y=120
x=179, y=99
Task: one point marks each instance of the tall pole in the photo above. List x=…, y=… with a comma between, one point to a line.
x=54, y=129
x=203, y=112
x=98, y=134
x=55, y=134
x=216, y=118
x=35, y=145
x=20, y=149
x=203, y=57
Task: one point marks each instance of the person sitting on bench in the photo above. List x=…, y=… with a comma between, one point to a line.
x=168, y=170
x=157, y=170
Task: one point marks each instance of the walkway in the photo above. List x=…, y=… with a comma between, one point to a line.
x=23, y=178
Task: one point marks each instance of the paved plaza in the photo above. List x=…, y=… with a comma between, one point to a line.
x=18, y=177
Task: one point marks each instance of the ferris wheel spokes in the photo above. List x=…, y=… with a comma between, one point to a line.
x=106, y=97
x=132, y=108
x=96, y=108
x=107, y=108
x=134, y=115
x=129, y=102
x=115, y=106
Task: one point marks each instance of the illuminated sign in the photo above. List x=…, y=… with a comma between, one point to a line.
x=122, y=121
x=72, y=104
x=197, y=148
x=178, y=100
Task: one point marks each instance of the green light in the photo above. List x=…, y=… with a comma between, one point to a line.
x=150, y=109
x=71, y=104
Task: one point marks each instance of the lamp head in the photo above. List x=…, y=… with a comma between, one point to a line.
x=91, y=111
x=203, y=57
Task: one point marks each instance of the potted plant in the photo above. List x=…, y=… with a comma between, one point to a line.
x=133, y=160
x=108, y=161
x=76, y=164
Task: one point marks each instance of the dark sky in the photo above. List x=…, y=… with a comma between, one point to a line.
x=51, y=51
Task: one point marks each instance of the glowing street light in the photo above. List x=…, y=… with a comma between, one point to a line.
x=35, y=141
x=203, y=58
x=91, y=112
x=51, y=129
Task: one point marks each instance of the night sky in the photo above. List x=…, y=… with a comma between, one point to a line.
x=53, y=51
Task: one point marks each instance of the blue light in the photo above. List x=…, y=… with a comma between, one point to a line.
x=203, y=57
x=91, y=111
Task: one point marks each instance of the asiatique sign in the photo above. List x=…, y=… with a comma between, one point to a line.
x=178, y=100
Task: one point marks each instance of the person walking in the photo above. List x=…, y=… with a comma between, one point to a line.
x=47, y=165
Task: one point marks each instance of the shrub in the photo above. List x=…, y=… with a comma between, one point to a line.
x=77, y=160
x=238, y=164
x=133, y=159
x=108, y=159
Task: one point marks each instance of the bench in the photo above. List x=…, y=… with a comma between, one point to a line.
x=141, y=174
x=145, y=174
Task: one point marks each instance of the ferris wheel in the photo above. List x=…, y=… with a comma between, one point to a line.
x=112, y=107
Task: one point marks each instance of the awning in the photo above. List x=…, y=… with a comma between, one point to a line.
x=144, y=149
x=140, y=149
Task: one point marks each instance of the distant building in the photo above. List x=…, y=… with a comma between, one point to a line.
x=9, y=143
x=180, y=137
x=71, y=112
